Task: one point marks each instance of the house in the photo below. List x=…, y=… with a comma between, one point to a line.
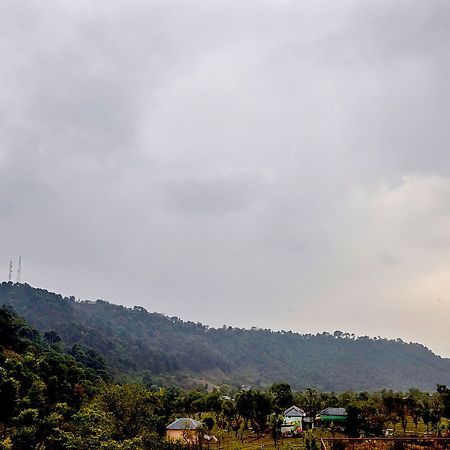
x=335, y=415
x=293, y=421
x=185, y=430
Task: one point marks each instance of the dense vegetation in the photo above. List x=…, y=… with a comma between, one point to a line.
x=48, y=400
x=53, y=399
x=163, y=350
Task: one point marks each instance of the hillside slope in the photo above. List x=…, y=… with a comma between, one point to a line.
x=133, y=341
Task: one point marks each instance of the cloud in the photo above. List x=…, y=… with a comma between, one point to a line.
x=214, y=195
x=247, y=159
x=386, y=272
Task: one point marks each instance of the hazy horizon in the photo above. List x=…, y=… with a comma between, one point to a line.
x=274, y=164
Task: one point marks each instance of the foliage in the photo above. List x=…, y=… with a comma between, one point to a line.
x=50, y=400
x=282, y=396
x=138, y=345
x=57, y=396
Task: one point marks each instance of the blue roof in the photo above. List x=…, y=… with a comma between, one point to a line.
x=334, y=412
x=184, y=424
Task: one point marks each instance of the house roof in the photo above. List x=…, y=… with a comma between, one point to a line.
x=184, y=424
x=333, y=412
x=294, y=411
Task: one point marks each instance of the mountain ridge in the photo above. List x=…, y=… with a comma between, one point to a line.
x=168, y=349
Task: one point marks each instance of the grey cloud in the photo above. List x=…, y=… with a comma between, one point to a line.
x=247, y=156
x=213, y=195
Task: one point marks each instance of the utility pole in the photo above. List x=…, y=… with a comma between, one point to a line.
x=10, y=271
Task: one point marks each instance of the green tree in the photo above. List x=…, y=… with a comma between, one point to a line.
x=9, y=396
x=311, y=401
x=444, y=394
x=262, y=409
x=282, y=396
x=134, y=410
x=213, y=402
x=209, y=423
x=276, y=422
x=245, y=405
x=51, y=338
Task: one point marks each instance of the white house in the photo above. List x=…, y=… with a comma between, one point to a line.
x=293, y=420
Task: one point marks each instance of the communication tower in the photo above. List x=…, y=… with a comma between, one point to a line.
x=10, y=271
x=19, y=270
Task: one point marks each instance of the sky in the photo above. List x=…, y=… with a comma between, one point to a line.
x=268, y=163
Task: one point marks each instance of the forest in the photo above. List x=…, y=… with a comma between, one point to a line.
x=136, y=345
x=52, y=398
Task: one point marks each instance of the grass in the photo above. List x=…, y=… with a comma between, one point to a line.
x=250, y=441
x=228, y=440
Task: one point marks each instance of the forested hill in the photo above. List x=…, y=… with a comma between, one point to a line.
x=138, y=343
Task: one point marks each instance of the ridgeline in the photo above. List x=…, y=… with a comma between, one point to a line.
x=158, y=349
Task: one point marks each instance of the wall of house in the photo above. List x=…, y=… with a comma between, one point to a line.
x=181, y=435
x=293, y=420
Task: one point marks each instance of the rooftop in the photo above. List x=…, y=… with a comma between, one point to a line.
x=184, y=423
x=294, y=411
x=333, y=412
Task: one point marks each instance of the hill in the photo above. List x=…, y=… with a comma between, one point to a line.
x=158, y=348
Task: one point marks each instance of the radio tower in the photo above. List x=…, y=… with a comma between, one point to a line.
x=19, y=270
x=10, y=271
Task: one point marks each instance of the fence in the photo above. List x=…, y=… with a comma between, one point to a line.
x=385, y=443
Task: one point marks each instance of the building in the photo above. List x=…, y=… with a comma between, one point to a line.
x=335, y=415
x=293, y=421
x=185, y=430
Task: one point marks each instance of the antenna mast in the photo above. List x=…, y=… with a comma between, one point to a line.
x=19, y=270
x=10, y=271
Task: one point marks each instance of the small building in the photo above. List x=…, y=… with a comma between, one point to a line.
x=293, y=421
x=308, y=422
x=184, y=430
x=335, y=415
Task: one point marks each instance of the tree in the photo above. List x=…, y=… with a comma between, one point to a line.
x=426, y=418
x=9, y=396
x=171, y=399
x=245, y=405
x=134, y=410
x=392, y=406
x=263, y=407
x=282, y=396
x=415, y=405
x=51, y=338
x=436, y=409
x=94, y=428
x=91, y=359
x=213, y=402
x=311, y=441
x=276, y=422
x=311, y=401
x=209, y=423
x=403, y=412
x=194, y=402
x=353, y=423
x=444, y=393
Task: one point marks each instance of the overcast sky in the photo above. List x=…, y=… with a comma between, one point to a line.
x=279, y=164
